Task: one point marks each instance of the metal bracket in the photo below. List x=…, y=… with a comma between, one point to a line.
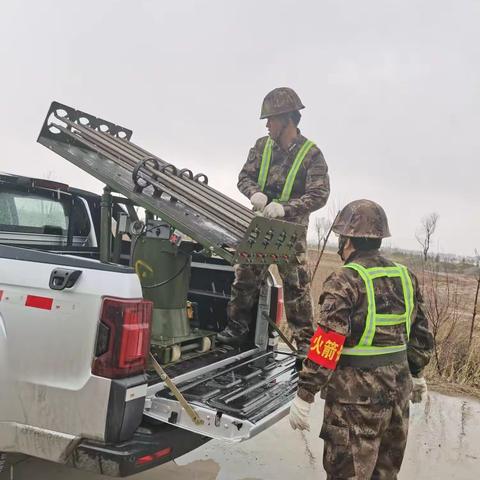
x=176, y=392
x=220, y=224
x=269, y=241
x=140, y=182
x=282, y=335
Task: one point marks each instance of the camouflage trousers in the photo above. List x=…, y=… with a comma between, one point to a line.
x=364, y=442
x=297, y=297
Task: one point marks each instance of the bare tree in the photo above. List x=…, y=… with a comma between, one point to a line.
x=323, y=229
x=475, y=302
x=424, y=235
x=322, y=226
x=442, y=304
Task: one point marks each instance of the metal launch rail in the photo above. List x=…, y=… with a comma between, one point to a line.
x=180, y=198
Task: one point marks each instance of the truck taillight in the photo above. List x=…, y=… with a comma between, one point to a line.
x=123, y=339
x=276, y=304
x=154, y=456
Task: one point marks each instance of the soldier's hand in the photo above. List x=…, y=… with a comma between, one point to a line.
x=419, y=391
x=274, y=210
x=299, y=413
x=258, y=200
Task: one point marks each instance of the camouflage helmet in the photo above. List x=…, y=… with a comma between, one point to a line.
x=362, y=218
x=280, y=100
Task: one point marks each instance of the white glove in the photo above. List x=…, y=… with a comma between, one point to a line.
x=419, y=391
x=274, y=210
x=259, y=200
x=299, y=412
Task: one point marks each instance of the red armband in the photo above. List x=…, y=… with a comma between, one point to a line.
x=326, y=348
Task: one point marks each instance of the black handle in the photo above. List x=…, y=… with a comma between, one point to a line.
x=62, y=278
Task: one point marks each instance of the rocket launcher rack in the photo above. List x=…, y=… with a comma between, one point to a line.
x=177, y=196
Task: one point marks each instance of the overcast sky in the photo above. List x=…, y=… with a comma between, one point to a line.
x=392, y=90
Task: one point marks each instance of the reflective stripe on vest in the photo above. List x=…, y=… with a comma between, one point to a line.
x=292, y=174
x=373, y=319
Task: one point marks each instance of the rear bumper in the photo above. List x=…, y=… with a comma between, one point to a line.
x=138, y=453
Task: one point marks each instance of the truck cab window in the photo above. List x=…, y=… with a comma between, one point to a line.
x=32, y=212
x=41, y=212
x=47, y=213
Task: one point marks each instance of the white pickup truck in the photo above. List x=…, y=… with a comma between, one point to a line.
x=75, y=387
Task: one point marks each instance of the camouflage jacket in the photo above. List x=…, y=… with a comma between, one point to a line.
x=310, y=190
x=343, y=309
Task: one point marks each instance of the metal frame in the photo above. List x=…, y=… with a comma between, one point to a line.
x=186, y=201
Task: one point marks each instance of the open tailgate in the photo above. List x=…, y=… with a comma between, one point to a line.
x=235, y=401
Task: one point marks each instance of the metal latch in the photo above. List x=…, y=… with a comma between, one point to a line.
x=62, y=278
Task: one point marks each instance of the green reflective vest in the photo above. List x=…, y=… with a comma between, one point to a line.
x=292, y=174
x=368, y=275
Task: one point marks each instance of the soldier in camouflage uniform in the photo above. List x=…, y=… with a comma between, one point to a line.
x=285, y=177
x=373, y=308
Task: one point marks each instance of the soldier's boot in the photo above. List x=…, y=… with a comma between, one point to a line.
x=230, y=337
x=236, y=332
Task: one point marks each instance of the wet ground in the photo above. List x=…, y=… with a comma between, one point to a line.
x=444, y=443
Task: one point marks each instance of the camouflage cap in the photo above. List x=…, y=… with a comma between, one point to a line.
x=362, y=218
x=280, y=100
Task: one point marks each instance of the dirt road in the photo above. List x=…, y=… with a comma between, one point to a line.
x=444, y=443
